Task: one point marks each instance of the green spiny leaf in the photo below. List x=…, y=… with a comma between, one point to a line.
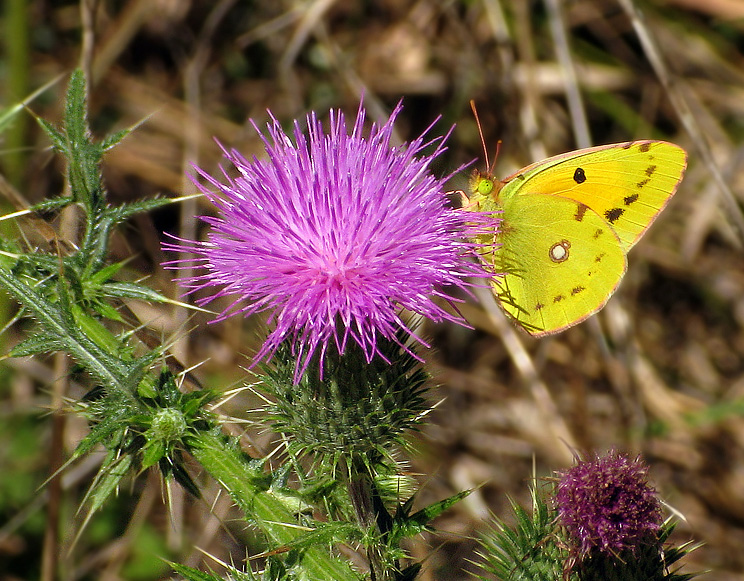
x=76, y=122
x=326, y=534
x=114, y=139
x=173, y=465
x=52, y=204
x=125, y=211
x=147, y=387
x=107, y=312
x=37, y=344
x=8, y=115
x=168, y=389
x=196, y=400
x=104, y=366
x=271, y=573
x=405, y=525
x=58, y=139
x=84, y=156
x=110, y=418
x=131, y=290
x=113, y=469
x=95, y=331
x=104, y=274
x=152, y=453
x=191, y=574
x=528, y=551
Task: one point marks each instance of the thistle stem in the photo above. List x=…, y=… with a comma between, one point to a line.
x=227, y=464
x=372, y=517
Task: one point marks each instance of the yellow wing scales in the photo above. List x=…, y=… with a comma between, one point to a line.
x=561, y=279
x=567, y=225
x=627, y=184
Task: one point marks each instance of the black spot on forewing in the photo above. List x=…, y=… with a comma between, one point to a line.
x=644, y=147
x=614, y=214
x=650, y=170
x=630, y=199
x=579, y=176
x=580, y=211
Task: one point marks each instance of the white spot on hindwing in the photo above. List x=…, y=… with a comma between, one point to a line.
x=559, y=251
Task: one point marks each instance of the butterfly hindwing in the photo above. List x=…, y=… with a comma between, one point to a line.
x=562, y=262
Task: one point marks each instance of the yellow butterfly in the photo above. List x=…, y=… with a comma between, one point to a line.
x=568, y=223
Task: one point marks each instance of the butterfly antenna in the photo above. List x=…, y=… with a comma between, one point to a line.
x=480, y=132
x=496, y=156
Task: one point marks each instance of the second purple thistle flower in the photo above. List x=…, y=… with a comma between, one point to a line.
x=607, y=505
x=335, y=234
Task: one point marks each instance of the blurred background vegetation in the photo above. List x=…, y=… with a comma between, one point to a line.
x=660, y=371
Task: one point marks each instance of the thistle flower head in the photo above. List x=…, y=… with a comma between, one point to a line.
x=333, y=234
x=607, y=505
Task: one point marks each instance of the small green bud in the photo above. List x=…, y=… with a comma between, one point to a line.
x=168, y=425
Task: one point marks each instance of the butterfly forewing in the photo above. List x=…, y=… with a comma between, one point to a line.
x=626, y=185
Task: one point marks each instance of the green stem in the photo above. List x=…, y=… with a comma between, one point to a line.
x=372, y=517
x=246, y=485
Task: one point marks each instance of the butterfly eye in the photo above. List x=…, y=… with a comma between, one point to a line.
x=484, y=186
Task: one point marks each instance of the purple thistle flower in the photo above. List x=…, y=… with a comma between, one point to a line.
x=607, y=505
x=333, y=234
